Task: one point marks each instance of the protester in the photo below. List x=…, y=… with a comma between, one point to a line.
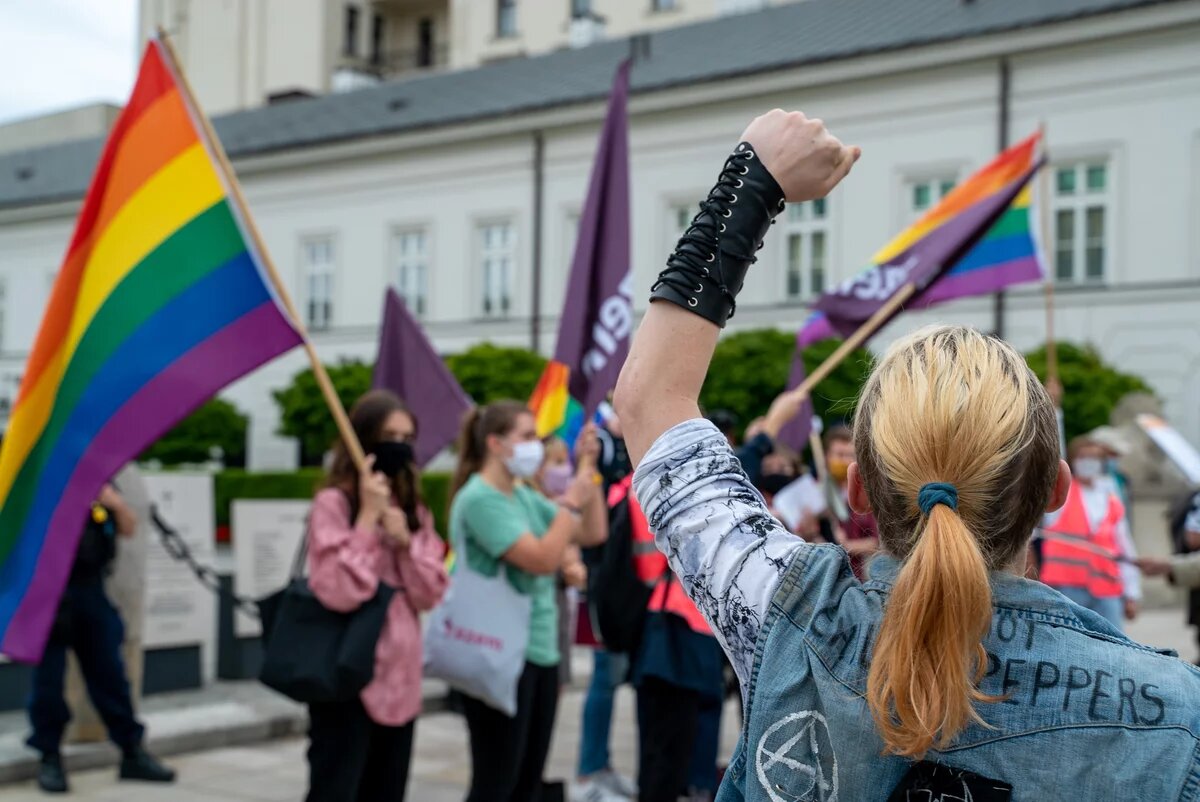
x=1086, y=549
x=552, y=480
x=596, y=780
x=89, y=625
x=945, y=675
x=677, y=670
x=1184, y=523
x=853, y=531
x=366, y=528
x=499, y=520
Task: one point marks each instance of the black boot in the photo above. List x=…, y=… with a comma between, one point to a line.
x=706, y=272
x=138, y=764
x=51, y=777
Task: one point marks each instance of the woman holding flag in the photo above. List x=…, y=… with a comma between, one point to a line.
x=503, y=522
x=945, y=674
x=367, y=528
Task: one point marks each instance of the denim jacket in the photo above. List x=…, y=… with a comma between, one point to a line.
x=1086, y=713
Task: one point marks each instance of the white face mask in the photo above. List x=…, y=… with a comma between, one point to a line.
x=526, y=459
x=1087, y=468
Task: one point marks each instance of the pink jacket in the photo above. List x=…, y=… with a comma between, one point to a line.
x=345, y=565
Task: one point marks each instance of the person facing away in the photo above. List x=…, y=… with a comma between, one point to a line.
x=1086, y=549
x=945, y=675
x=502, y=524
x=88, y=624
x=368, y=528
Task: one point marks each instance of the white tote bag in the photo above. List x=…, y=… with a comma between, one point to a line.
x=476, y=639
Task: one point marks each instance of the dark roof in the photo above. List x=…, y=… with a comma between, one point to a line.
x=794, y=34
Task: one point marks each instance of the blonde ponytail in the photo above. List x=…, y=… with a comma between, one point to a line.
x=928, y=658
x=956, y=443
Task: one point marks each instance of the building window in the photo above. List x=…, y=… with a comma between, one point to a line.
x=506, y=18
x=425, y=53
x=924, y=194
x=498, y=250
x=377, y=31
x=664, y=5
x=350, y=42
x=411, y=253
x=1080, y=206
x=317, y=270
x=581, y=9
x=806, y=231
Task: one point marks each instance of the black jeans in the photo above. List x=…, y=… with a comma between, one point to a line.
x=508, y=755
x=353, y=759
x=90, y=626
x=667, y=720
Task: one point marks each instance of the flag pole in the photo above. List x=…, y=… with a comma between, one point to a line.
x=872, y=324
x=349, y=438
x=1043, y=201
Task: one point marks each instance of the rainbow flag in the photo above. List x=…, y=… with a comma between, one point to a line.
x=161, y=300
x=1006, y=254
x=556, y=412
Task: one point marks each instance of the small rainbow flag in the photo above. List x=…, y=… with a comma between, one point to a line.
x=1006, y=254
x=161, y=301
x=557, y=413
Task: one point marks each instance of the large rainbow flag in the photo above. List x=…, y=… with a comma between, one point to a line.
x=555, y=411
x=1006, y=254
x=161, y=300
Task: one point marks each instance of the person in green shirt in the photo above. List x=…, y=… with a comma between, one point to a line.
x=500, y=522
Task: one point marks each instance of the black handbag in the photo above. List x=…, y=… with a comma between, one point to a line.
x=314, y=654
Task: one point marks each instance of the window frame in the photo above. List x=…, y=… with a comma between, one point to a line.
x=1079, y=203
x=795, y=222
x=306, y=273
x=397, y=264
x=481, y=269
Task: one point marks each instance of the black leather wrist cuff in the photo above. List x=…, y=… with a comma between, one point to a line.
x=708, y=267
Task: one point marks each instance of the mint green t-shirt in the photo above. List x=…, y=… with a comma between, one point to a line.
x=489, y=522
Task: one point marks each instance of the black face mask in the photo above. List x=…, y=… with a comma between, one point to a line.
x=392, y=458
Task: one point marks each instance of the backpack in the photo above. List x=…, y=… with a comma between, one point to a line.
x=618, y=596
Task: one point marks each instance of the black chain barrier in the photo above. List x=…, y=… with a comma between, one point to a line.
x=179, y=550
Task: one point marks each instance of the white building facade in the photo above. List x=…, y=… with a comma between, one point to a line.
x=445, y=210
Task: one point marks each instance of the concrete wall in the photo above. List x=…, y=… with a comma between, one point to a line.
x=50, y=129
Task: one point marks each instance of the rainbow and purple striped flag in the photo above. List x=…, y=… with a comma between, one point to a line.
x=162, y=300
x=977, y=240
x=979, y=262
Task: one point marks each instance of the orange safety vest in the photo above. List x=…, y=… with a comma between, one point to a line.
x=1065, y=565
x=651, y=564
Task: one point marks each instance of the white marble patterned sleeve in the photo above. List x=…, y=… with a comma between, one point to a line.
x=729, y=553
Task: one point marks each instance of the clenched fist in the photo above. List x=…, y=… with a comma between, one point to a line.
x=804, y=158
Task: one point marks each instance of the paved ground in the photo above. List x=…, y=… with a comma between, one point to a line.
x=274, y=770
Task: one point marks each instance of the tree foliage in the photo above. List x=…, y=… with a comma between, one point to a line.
x=217, y=423
x=1091, y=388
x=489, y=372
x=750, y=368
x=303, y=413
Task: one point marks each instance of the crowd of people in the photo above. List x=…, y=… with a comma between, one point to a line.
x=885, y=639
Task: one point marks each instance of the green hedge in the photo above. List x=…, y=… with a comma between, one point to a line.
x=234, y=484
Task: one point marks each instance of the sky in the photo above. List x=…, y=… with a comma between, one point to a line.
x=59, y=54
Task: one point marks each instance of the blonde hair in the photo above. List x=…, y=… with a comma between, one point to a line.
x=947, y=404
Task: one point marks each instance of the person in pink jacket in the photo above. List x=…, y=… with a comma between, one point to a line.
x=365, y=529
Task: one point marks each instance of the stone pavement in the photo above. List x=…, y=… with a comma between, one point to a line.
x=274, y=770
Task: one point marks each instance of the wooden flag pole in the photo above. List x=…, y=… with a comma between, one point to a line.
x=872, y=324
x=349, y=438
x=1044, y=224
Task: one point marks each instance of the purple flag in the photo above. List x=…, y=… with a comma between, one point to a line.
x=795, y=432
x=597, y=317
x=409, y=367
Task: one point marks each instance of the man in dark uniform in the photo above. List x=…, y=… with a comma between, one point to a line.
x=88, y=624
